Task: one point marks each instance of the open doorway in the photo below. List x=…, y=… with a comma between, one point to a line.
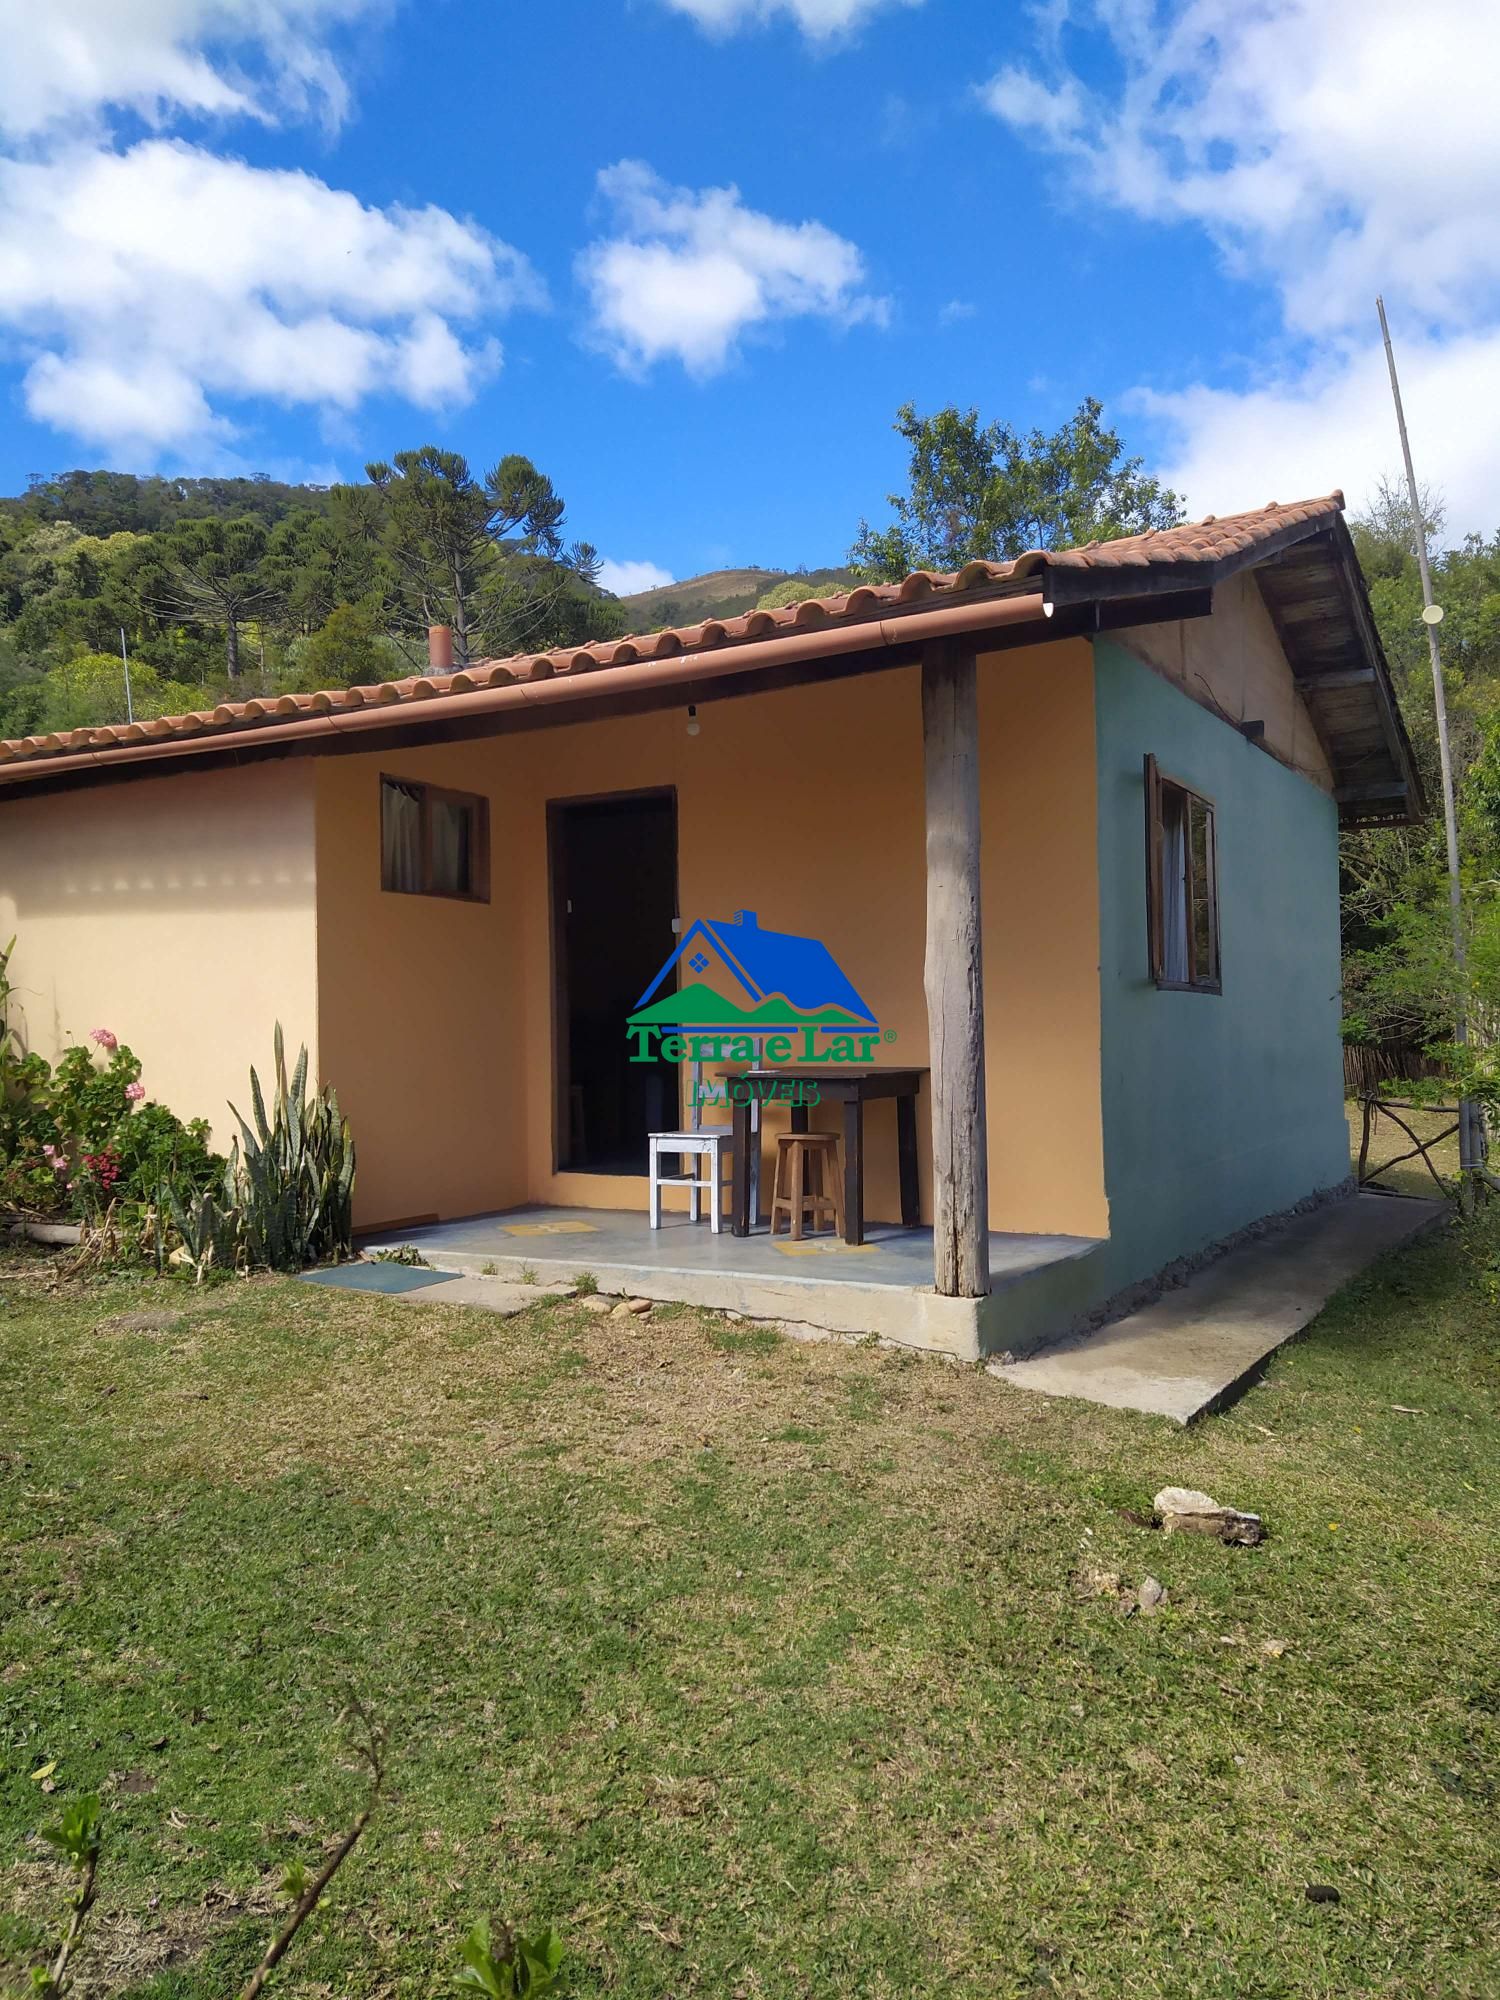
x=614, y=889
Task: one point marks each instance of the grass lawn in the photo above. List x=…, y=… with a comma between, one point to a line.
x=761, y=1668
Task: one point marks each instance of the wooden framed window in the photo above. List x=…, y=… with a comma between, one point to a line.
x=1182, y=886
x=434, y=842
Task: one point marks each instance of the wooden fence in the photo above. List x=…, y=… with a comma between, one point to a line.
x=1367, y=1065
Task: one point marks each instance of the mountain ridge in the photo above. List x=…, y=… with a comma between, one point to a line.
x=724, y=593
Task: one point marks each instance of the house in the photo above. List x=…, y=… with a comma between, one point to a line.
x=1063, y=829
x=783, y=978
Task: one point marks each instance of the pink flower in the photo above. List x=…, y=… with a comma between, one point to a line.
x=135, y=1092
x=105, y=1037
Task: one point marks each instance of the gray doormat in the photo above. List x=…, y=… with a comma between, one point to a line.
x=388, y=1278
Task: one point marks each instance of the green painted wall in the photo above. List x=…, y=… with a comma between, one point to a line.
x=1218, y=1109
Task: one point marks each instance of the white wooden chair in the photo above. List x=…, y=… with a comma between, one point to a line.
x=713, y=1143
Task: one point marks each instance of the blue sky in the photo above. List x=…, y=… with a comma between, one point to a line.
x=690, y=255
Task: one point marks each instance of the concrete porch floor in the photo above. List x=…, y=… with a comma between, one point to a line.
x=884, y=1286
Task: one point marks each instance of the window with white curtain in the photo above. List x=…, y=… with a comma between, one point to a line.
x=433, y=842
x=1182, y=886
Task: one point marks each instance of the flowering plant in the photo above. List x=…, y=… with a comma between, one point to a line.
x=94, y=1180
x=76, y=1138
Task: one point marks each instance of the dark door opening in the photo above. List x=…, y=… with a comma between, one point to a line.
x=614, y=886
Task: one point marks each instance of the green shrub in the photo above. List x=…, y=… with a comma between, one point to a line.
x=792, y=590
x=348, y=650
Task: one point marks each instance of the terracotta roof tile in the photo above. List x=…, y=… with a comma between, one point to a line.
x=1205, y=542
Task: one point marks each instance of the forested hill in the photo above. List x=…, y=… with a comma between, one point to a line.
x=120, y=503
x=223, y=588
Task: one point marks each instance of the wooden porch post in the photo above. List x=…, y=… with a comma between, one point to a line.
x=954, y=972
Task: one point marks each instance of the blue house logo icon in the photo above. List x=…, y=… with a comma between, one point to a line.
x=740, y=986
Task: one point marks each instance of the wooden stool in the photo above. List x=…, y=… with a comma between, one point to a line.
x=808, y=1181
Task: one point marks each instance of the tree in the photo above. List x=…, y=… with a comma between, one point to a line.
x=986, y=492
x=486, y=557
x=76, y=592
x=347, y=650
x=212, y=572
x=338, y=586
x=103, y=503
x=22, y=689
x=319, y=559
x=1401, y=983
x=1383, y=529
x=87, y=692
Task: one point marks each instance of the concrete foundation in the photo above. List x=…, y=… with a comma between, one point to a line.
x=884, y=1287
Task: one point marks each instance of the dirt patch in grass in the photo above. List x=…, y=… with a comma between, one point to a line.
x=127, y=1948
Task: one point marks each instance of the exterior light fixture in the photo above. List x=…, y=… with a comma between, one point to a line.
x=692, y=721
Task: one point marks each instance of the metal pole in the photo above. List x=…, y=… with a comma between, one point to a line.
x=1468, y=1150
x=125, y=658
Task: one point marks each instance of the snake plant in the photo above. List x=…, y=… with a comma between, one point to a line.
x=292, y=1171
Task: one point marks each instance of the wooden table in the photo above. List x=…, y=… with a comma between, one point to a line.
x=853, y=1089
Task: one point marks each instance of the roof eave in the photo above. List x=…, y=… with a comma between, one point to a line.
x=1393, y=796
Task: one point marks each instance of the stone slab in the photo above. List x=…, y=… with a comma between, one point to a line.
x=502, y=1296
x=393, y=1280
x=1199, y=1345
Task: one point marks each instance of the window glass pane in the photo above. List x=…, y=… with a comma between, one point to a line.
x=1205, y=966
x=1174, y=911
x=400, y=837
x=451, y=832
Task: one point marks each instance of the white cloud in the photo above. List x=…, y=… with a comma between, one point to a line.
x=151, y=285
x=149, y=291
x=1337, y=147
x=626, y=578
x=818, y=19
x=688, y=273
x=1332, y=149
x=66, y=59
x=1298, y=435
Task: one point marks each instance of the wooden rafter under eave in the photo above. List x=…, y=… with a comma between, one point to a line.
x=1314, y=593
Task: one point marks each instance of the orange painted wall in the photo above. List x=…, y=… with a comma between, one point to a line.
x=177, y=911
x=1040, y=886
x=421, y=996
x=805, y=805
